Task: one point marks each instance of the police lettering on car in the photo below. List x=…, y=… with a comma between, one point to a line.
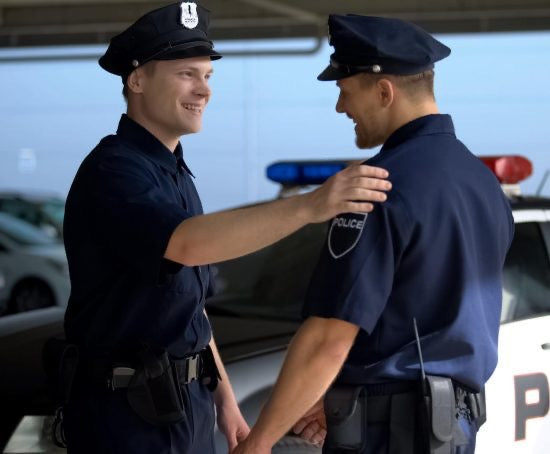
x=402, y=313
x=138, y=245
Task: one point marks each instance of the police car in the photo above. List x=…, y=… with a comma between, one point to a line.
x=256, y=311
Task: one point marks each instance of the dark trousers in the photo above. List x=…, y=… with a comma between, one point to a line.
x=103, y=422
x=378, y=440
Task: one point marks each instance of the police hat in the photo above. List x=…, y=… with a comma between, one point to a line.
x=179, y=30
x=379, y=45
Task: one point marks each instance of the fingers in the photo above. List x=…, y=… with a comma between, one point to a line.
x=313, y=432
x=242, y=433
x=362, y=195
x=370, y=183
x=366, y=171
x=354, y=189
x=232, y=441
x=356, y=207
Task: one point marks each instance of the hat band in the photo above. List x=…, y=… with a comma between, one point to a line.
x=181, y=46
x=383, y=67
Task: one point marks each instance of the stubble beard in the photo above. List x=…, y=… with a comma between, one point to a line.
x=367, y=141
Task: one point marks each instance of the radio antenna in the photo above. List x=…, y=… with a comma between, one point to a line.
x=419, y=349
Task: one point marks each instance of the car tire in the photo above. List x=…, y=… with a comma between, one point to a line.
x=291, y=444
x=29, y=295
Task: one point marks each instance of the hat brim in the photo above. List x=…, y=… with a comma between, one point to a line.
x=332, y=73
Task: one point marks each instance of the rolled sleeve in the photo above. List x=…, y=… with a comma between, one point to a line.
x=356, y=286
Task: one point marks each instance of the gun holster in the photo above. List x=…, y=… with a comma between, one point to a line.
x=439, y=429
x=346, y=414
x=154, y=392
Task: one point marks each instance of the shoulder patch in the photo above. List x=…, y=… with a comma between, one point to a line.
x=345, y=231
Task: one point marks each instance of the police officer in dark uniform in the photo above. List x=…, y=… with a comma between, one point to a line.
x=148, y=373
x=403, y=309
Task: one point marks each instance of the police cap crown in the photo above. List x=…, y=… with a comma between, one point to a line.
x=379, y=45
x=179, y=30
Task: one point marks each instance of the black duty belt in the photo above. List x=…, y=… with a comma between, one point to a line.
x=382, y=396
x=115, y=375
x=187, y=370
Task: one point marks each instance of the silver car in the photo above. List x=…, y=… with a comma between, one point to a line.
x=33, y=267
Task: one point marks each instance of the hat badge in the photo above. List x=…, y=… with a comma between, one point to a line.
x=376, y=69
x=189, y=16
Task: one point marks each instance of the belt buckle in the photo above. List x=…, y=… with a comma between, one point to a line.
x=121, y=377
x=192, y=368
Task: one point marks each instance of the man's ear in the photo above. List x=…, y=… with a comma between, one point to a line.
x=135, y=81
x=386, y=92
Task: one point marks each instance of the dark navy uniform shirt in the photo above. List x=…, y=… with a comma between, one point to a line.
x=434, y=251
x=127, y=198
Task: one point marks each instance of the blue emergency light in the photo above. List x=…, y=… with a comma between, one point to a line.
x=298, y=173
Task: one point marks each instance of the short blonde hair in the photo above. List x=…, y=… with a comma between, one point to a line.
x=416, y=86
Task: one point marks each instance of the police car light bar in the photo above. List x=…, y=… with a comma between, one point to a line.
x=509, y=169
x=301, y=173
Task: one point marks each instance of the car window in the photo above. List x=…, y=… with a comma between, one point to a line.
x=54, y=210
x=526, y=285
x=21, y=210
x=271, y=282
x=23, y=233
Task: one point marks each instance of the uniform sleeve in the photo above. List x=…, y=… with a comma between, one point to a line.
x=132, y=216
x=355, y=273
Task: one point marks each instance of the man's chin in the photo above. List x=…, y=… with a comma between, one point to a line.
x=363, y=143
x=192, y=130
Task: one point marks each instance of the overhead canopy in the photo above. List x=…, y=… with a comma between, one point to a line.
x=60, y=22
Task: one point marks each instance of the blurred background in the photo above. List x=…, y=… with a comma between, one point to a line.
x=56, y=102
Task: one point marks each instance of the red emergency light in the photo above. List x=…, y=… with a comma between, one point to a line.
x=509, y=169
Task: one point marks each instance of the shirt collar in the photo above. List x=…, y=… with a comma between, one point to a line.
x=142, y=140
x=423, y=126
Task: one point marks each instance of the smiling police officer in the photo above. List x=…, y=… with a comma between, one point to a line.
x=139, y=246
x=431, y=258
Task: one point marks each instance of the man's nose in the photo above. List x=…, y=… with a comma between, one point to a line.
x=203, y=88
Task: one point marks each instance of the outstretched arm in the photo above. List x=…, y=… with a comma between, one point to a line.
x=229, y=234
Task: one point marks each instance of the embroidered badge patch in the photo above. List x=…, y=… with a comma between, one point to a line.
x=345, y=232
x=189, y=16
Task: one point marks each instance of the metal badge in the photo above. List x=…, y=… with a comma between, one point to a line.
x=376, y=69
x=189, y=16
x=135, y=63
x=345, y=232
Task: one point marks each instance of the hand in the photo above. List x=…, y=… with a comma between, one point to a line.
x=248, y=446
x=351, y=190
x=232, y=424
x=312, y=426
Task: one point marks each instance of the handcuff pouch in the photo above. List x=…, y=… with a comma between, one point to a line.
x=346, y=414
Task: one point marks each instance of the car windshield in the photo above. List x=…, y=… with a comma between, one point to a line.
x=272, y=282
x=22, y=232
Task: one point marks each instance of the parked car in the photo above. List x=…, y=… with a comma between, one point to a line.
x=41, y=210
x=256, y=311
x=33, y=268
